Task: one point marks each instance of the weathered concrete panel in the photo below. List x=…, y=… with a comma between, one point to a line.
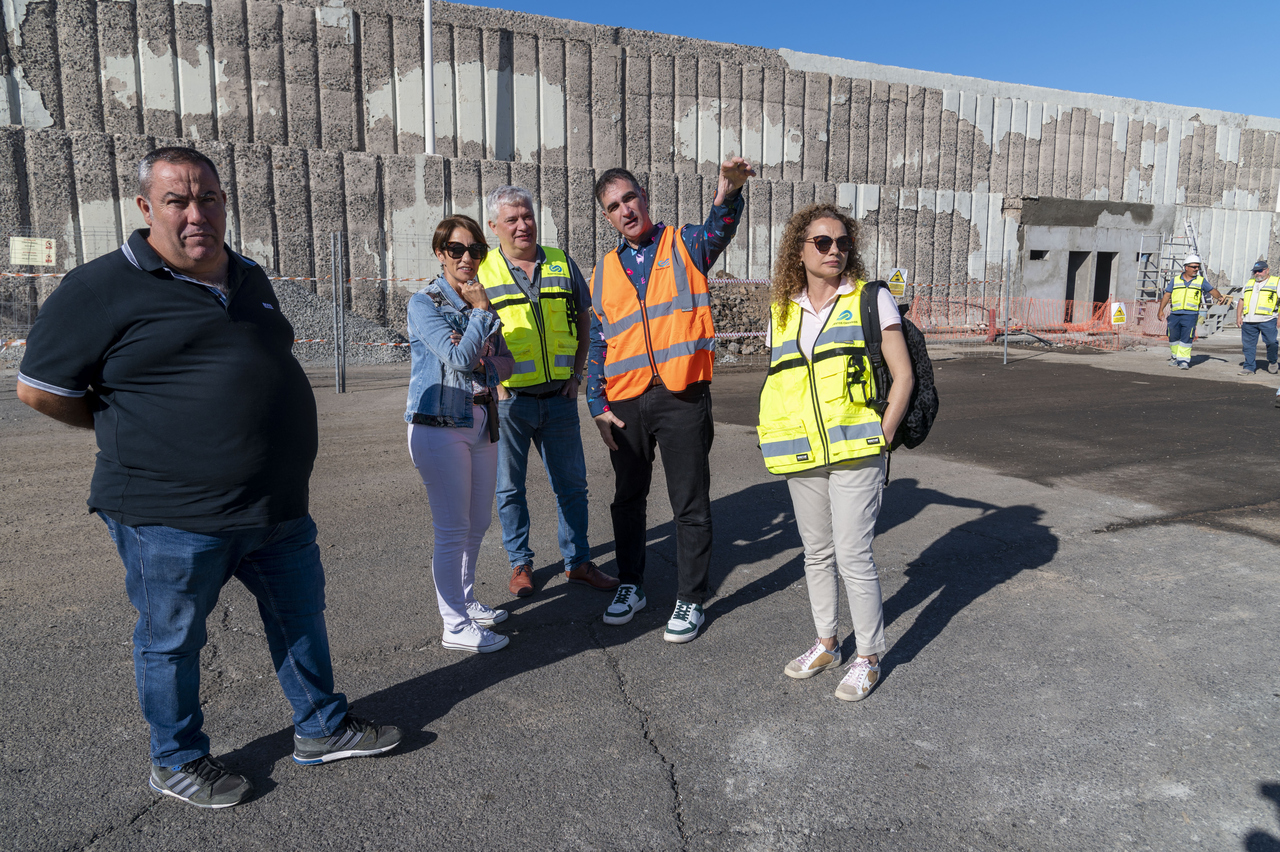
x=96, y=195
x=730, y=115
x=464, y=190
x=366, y=235
x=52, y=191
x=232, y=77
x=709, y=116
x=793, y=125
x=606, y=106
x=266, y=62
x=583, y=215
x=773, y=123
x=77, y=59
x=914, y=150
x=31, y=37
x=554, y=103
x=378, y=78
x=15, y=203
x=499, y=129
x=117, y=49
x=859, y=131
x=301, y=77
x=445, y=70
x=291, y=177
x=897, y=139
x=578, y=94
x=161, y=110
x=685, y=140
x=410, y=86
x=193, y=40
x=818, y=120
x=255, y=179
x=339, y=82
x=553, y=211
x=524, y=98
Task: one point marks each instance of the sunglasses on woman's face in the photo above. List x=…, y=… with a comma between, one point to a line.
x=823, y=244
x=457, y=250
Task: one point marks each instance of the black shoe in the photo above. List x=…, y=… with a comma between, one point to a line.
x=204, y=782
x=354, y=738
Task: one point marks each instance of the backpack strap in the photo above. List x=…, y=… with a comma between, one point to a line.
x=872, y=336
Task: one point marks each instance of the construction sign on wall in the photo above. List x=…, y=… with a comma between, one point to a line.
x=32, y=251
x=898, y=281
x=1117, y=314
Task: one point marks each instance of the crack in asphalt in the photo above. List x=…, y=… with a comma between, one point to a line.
x=643, y=718
x=112, y=829
x=1218, y=519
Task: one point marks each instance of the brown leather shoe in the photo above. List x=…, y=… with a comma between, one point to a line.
x=521, y=584
x=589, y=575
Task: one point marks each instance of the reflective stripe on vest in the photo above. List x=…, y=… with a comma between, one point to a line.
x=542, y=338
x=813, y=412
x=1186, y=295
x=1262, y=299
x=670, y=334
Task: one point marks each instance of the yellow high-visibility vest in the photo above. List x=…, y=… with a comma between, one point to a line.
x=1186, y=295
x=813, y=411
x=1261, y=298
x=543, y=338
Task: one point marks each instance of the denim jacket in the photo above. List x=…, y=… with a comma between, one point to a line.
x=440, y=382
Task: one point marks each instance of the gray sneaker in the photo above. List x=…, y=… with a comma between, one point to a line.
x=354, y=738
x=203, y=782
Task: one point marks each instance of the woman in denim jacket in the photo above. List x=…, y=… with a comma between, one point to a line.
x=459, y=357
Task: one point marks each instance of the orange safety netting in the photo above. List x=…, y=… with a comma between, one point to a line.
x=1053, y=322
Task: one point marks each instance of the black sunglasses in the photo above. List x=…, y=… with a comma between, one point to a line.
x=823, y=244
x=477, y=251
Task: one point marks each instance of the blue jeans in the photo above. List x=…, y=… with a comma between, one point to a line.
x=174, y=577
x=1249, y=333
x=552, y=426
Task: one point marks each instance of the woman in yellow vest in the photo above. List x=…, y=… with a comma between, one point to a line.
x=817, y=429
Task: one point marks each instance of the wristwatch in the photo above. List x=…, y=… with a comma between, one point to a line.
x=580, y=377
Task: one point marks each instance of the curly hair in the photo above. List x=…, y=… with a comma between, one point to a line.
x=789, y=277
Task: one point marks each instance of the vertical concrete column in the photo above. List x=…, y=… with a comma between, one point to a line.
x=803, y=193
x=896, y=139
x=499, y=137
x=1248, y=173
x=15, y=208
x=859, y=131
x=529, y=176
x=232, y=77
x=838, y=130
x=583, y=216
x=973, y=265
x=410, y=85
x=1118, y=147
x=966, y=123
x=1049, y=137
x=552, y=105
x=52, y=187
x=686, y=114
x=1144, y=156
x=160, y=106
x=77, y=28
x=793, y=125
x=730, y=112
x=689, y=209
x=465, y=193
x=782, y=205
x=377, y=73
x=1227, y=167
x=709, y=116
x=34, y=86
x=414, y=191
x=1075, y=180
x=914, y=148
x=737, y=257
x=117, y=50
x=255, y=179
x=301, y=78
x=926, y=210
x=949, y=141
x=1190, y=166
x=553, y=212
x=1031, y=114
x=193, y=39
x=774, y=122
x=878, y=134
x=1062, y=153
x=1006, y=170
x=493, y=174
x=578, y=95
x=96, y=196
x=1090, y=154
x=524, y=94
x=339, y=77
x=328, y=198
x=931, y=133
x=366, y=234
x=224, y=157
x=297, y=244
x=758, y=229
x=752, y=125
x=662, y=115
x=638, y=151
x=906, y=220
x=984, y=140
x=129, y=151
x=607, y=129
x=445, y=82
x=817, y=122
x=267, y=86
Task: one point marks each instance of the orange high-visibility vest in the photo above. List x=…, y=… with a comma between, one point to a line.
x=669, y=335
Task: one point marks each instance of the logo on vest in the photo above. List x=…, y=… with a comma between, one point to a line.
x=873, y=440
x=556, y=268
x=663, y=264
x=845, y=316
x=802, y=457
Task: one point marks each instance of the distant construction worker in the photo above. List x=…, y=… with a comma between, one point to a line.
x=1184, y=295
x=1256, y=315
x=542, y=300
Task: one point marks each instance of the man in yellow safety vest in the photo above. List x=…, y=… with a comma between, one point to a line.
x=1256, y=316
x=1185, y=295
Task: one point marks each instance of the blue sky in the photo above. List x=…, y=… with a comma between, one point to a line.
x=1220, y=55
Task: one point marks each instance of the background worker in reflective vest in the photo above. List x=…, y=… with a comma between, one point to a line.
x=541, y=298
x=1184, y=295
x=817, y=429
x=649, y=380
x=1256, y=316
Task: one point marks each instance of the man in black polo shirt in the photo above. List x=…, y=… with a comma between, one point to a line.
x=173, y=350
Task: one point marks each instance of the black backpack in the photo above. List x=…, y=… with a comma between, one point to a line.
x=922, y=408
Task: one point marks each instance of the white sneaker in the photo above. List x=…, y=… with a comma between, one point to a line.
x=476, y=639
x=684, y=623
x=485, y=616
x=816, y=659
x=862, y=677
x=627, y=601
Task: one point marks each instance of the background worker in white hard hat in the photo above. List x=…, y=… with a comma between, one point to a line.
x=1185, y=294
x=1256, y=315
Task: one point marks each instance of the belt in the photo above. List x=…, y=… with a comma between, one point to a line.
x=482, y=399
x=546, y=395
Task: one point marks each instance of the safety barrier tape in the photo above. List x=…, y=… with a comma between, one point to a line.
x=351, y=342
x=20, y=341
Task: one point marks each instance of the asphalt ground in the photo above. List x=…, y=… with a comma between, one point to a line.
x=1080, y=580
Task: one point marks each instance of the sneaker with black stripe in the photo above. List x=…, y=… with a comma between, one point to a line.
x=203, y=782
x=354, y=738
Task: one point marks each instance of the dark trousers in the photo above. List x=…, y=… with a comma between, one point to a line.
x=680, y=426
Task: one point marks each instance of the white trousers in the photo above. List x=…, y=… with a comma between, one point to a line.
x=460, y=469
x=836, y=509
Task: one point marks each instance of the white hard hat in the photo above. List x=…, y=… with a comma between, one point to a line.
x=1191, y=258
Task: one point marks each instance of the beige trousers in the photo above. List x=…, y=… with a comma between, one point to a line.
x=836, y=509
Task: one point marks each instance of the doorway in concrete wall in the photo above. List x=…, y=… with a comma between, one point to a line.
x=1102, y=275
x=1075, y=261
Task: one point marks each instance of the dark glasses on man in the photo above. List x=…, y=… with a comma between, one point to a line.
x=823, y=244
x=457, y=250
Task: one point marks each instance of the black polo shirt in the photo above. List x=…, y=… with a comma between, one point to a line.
x=204, y=419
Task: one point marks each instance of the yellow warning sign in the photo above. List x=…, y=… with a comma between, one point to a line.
x=31, y=251
x=898, y=281
x=1117, y=313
